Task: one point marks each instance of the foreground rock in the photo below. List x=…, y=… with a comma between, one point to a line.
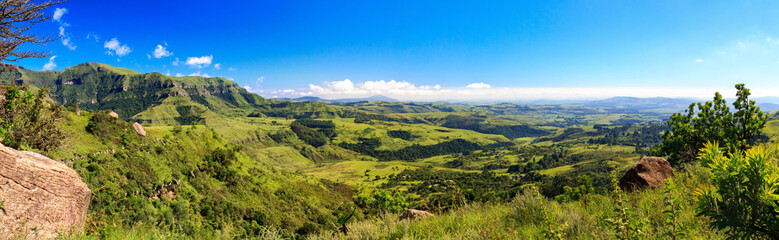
x=413, y=214
x=647, y=172
x=43, y=198
x=139, y=129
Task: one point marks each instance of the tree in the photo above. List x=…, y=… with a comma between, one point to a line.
x=712, y=121
x=744, y=198
x=16, y=18
x=27, y=118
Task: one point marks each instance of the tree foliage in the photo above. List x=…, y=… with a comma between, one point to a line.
x=712, y=121
x=744, y=198
x=27, y=119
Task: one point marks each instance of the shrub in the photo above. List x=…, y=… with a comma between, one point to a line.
x=27, y=119
x=744, y=198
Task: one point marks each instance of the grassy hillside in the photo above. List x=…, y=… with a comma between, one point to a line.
x=189, y=180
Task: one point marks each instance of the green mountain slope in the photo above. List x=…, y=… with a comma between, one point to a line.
x=95, y=86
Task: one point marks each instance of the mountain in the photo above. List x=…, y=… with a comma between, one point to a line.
x=96, y=86
x=659, y=104
x=374, y=98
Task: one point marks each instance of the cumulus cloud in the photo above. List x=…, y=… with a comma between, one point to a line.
x=408, y=91
x=231, y=69
x=117, y=48
x=67, y=43
x=58, y=14
x=200, y=62
x=176, y=63
x=260, y=79
x=64, y=38
x=218, y=66
x=478, y=85
x=198, y=74
x=381, y=87
x=179, y=75
x=161, y=52
x=50, y=65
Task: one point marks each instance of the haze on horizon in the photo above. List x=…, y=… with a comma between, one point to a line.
x=427, y=51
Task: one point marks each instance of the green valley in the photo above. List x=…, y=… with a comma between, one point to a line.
x=223, y=162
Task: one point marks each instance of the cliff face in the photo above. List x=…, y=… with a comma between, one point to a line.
x=95, y=86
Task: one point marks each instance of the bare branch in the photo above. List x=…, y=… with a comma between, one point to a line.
x=16, y=18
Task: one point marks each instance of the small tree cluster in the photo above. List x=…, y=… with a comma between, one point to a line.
x=712, y=121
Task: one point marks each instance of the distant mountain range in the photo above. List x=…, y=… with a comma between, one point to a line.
x=663, y=104
x=341, y=100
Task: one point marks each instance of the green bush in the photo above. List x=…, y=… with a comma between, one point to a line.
x=712, y=121
x=28, y=119
x=744, y=198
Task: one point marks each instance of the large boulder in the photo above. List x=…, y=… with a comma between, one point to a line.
x=139, y=129
x=647, y=172
x=413, y=214
x=42, y=198
x=113, y=114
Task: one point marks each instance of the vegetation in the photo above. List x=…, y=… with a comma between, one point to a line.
x=713, y=121
x=744, y=197
x=529, y=215
x=27, y=119
x=254, y=168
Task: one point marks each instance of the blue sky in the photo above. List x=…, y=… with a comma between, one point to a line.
x=432, y=50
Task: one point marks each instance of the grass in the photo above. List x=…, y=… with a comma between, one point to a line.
x=523, y=218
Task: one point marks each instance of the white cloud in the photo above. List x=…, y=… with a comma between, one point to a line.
x=179, y=75
x=381, y=87
x=66, y=41
x=117, y=47
x=167, y=73
x=218, y=66
x=176, y=63
x=342, y=86
x=408, y=91
x=58, y=14
x=200, y=62
x=478, y=85
x=161, y=52
x=200, y=74
x=261, y=79
x=93, y=36
x=50, y=65
x=699, y=60
x=64, y=38
x=231, y=69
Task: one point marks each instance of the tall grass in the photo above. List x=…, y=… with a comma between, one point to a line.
x=524, y=218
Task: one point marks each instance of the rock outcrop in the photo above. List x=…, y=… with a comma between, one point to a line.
x=113, y=114
x=647, y=172
x=139, y=129
x=413, y=214
x=42, y=198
